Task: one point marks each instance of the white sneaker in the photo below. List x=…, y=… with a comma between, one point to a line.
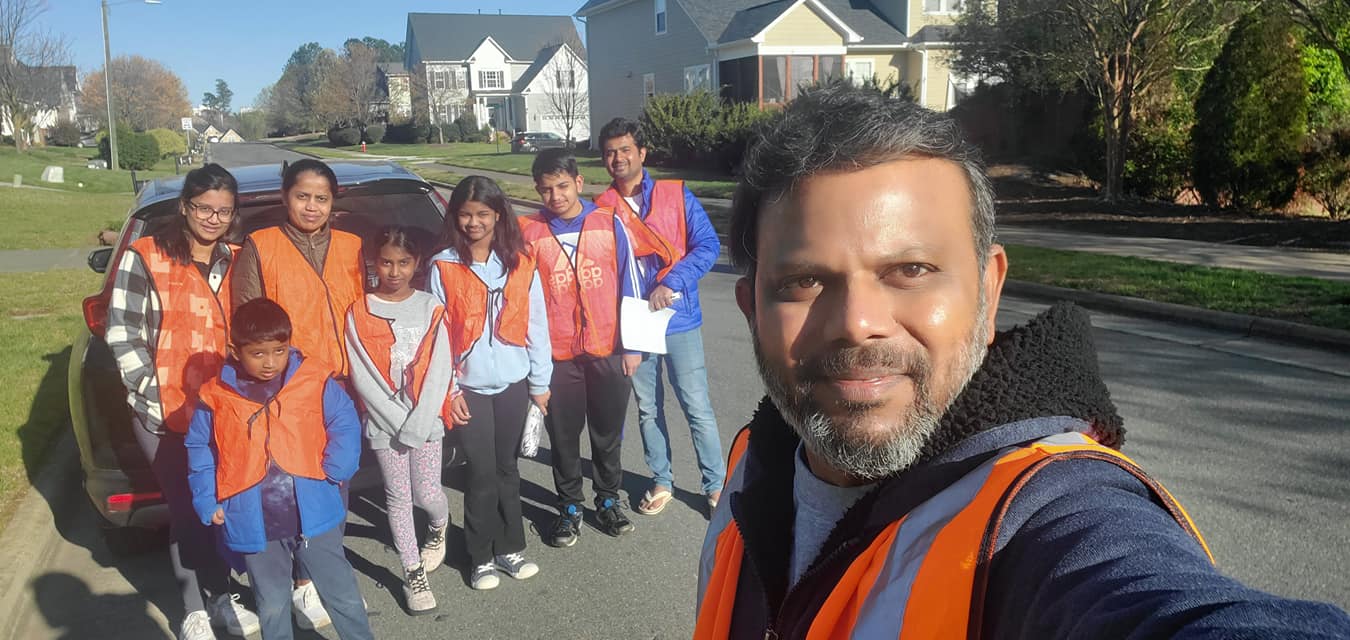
x=227, y=613
x=484, y=577
x=196, y=626
x=433, y=552
x=309, y=612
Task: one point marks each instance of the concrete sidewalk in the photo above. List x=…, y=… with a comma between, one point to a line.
x=29, y=260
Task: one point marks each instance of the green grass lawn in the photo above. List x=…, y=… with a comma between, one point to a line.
x=30, y=164
x=39, y=317
x=491, y=157
x=1323, y=303
x=40, y=219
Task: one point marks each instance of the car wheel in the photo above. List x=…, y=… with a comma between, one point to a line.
x=134, y=541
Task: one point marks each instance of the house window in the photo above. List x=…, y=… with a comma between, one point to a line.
x=802, y=70
x=696, y=78
x=827, y=68
x=491, y=79
x=859, y=71
x=439, y=79
x=739, y=79
x=942, y=6
x=461, y=79
x=660, y=16
x=775, y=79
x=566, y=79
x=648, y=86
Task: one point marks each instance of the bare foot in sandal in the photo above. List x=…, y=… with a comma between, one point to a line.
x=655, y=500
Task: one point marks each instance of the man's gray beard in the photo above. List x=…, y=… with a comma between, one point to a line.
x=843, y=445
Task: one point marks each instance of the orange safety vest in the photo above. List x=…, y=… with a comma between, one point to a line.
x=663, y=232
x=377, y=338
x=466, y=305
x=945, y=594
x=288, y=429
x=582, y=299
x=192, y=332
x=316, y=304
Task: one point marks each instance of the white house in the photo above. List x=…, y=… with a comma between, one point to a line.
x=502, y=68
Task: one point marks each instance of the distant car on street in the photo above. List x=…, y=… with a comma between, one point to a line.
x=534, y=141
x=87, y=140
x=117, y=476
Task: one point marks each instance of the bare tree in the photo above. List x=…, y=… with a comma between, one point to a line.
x=566, y=99
x=350, y=87
x=33, y=75
x=437, y=88
x=1116, y=50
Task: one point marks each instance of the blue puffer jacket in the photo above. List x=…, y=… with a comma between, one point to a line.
x=318, y=501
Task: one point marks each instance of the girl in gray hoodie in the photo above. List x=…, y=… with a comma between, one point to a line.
x=403, y=370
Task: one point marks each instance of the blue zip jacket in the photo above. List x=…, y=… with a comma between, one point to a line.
x=318, y=501
x=702, y=248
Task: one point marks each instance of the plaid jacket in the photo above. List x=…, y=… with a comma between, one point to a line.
x=133, y=330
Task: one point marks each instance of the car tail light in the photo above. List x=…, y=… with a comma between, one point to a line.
x=96, y=312
x=122, y=502
x=445, y=206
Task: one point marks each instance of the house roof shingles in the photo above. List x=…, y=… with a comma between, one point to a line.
x=724, y=21
x=455, y=36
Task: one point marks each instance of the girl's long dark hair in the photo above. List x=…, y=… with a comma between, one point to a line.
x=174, y=237
x=507, y=242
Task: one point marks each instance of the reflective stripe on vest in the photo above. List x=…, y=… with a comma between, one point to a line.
x=582, y=299
x=315, y=304
x=467, y=300
x=663, y=231
x=925, y=575
x=192, y=333
x=288, y=429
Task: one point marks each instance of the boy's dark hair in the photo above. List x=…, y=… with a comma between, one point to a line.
x=620, y=127
x=842, y=127
x=173, y=237
x=551, y=161
x=259, y=320
x=507, y=241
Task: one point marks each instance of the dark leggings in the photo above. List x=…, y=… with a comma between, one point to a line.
x=197, y=563
x=491, y=441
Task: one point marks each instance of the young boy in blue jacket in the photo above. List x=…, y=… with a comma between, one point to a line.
x=269, y=444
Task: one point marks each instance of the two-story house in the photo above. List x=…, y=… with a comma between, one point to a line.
x=763, y=52
x=395, y=92
x=54, y=94
x=508, y=70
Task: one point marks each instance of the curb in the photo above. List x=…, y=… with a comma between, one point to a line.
x=1252, y=326
x=31, y=538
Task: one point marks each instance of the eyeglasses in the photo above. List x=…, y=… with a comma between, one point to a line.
x=204, y=213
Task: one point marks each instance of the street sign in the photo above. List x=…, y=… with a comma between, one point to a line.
x=187, y=124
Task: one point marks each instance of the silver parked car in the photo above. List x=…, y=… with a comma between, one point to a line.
x=533, y=141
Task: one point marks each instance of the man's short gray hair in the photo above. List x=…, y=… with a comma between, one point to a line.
x=842, y=127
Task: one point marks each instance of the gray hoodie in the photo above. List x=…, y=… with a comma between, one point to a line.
x=390, y=414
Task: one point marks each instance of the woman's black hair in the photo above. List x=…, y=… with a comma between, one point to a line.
x=290, y=174
x=507, y=241
x=396, y=235
x=173, y=237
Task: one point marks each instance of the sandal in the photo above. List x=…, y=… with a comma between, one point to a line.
x=654, y=503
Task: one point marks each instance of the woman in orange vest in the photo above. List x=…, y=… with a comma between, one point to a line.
x=495, y=305
x=403, y=370
x=315, y=273
x=167, y=347
x=312, y=270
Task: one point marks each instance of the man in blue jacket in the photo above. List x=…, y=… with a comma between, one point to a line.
x=273, y=438
x=912, y=472
x=668, y=209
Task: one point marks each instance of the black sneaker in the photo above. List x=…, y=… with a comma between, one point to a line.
x=611, y=518
x=566, y=529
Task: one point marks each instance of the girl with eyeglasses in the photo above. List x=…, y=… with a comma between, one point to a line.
x=167, y=344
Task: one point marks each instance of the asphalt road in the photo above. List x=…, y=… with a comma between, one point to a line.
x=1249, y=435
x=246, y=153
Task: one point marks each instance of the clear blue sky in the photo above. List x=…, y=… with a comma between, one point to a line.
x=246, y=42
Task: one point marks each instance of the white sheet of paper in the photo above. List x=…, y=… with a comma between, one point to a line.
x=641, y=328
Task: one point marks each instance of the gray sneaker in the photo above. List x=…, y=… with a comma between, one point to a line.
x=516, y=566
x=417, y=591
x=484, y=577
x=433, y=552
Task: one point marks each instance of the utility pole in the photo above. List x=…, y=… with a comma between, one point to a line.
x=107, y=91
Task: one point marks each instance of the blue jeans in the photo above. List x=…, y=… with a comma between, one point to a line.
x=269, y=573
x=683, y=360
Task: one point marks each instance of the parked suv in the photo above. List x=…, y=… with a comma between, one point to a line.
x=533, y=141
x=117, y=476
